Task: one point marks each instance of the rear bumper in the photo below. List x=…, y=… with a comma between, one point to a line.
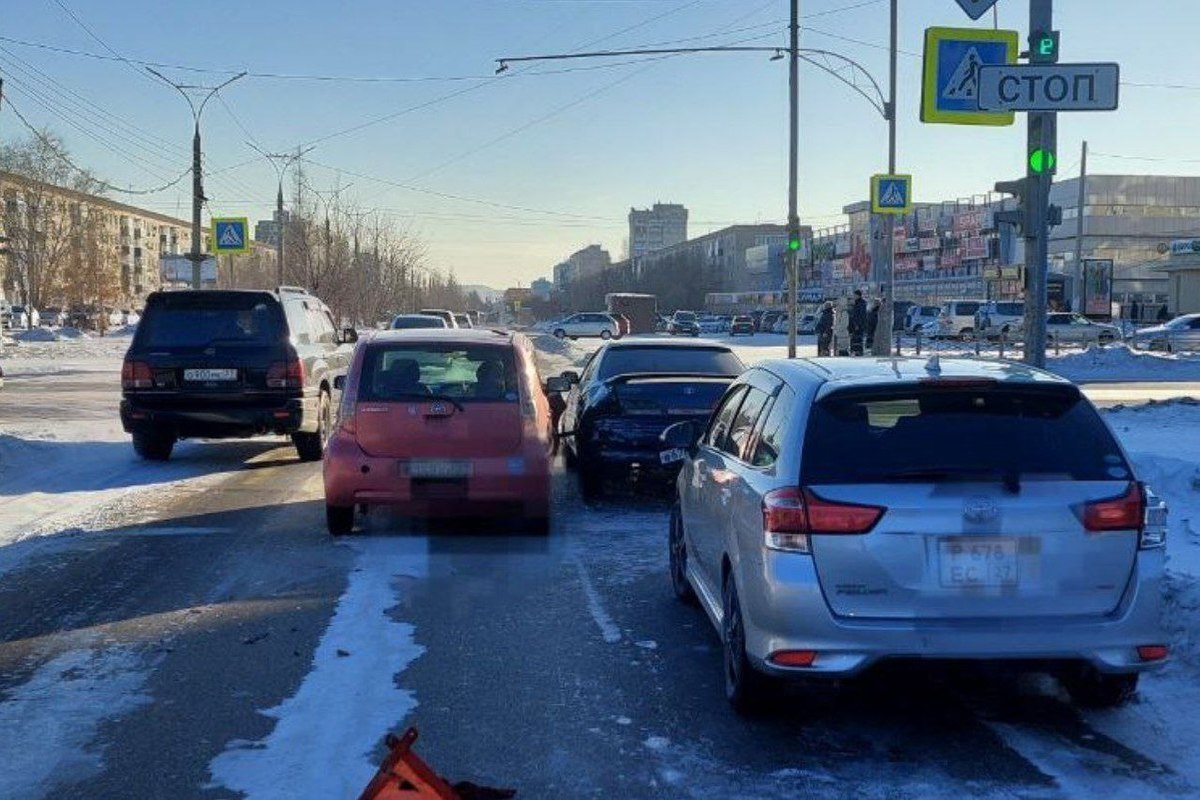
x=220, y=418
x=785, y=609
x=519, y=483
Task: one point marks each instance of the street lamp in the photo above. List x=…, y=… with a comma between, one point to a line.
x=281, y=162
x=197, y=178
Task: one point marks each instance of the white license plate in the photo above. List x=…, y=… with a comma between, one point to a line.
x=208, y=375
x=672, y=455
x=968, y=562
x=438, y=468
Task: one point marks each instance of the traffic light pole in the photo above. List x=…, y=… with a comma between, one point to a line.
x=1042, y=136
x=793, y=191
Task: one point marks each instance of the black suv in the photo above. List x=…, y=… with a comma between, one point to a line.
x=231, y=364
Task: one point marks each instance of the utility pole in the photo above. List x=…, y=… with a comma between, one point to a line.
x=1077, y=283
x=1040, y=158
x=883, y=327
x=793, y=177
x=281, y=162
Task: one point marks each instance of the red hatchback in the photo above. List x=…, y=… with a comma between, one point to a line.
x=441, y=423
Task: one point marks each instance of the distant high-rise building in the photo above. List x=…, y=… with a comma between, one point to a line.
x=267, y=230
x=650, y=229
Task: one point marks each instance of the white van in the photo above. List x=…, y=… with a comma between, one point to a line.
x=957, y=319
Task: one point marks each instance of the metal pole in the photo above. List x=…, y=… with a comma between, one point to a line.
x=197, y=200
x=1042, y=133
x=279, y=229
x=793, y=159
x=883, y=327
x=1077, y=288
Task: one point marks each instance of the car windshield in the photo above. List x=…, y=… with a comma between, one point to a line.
x=186, y=319
x=418, y=321
x=685, y=316
x=955, y=433
x=478, y=373
x=663, y=359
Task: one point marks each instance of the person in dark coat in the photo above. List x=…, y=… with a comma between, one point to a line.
x=824, y=329
x=872, y=324
x=1163, y=314
x=858, y=323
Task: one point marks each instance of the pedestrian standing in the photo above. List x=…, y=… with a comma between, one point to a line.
x=872, y=324
x=1163, y=314
x=824, y=329
x=841, y=329
x=858, y=323
x=1133, y=311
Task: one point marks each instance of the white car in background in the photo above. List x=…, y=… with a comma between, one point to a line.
x=1181, y=333
x=917, y=317
x=586, y=324
x=957, y=320
x=1065, y=327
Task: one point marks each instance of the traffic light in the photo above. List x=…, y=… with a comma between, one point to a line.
x=1054, y=215
x=1043, y=145
x=1019, y=217
x=794, y=241
x=1042, y=161
x=1043, y=47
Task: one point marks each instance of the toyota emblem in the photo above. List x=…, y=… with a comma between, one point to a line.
x=980, y=509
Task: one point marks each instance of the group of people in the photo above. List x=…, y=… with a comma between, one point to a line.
x=847, y=327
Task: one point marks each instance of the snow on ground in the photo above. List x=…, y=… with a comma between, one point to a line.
x=1118, y=362
x=327, y=733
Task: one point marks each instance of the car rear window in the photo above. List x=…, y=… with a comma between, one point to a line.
x=468, y=373
x=965, y=309
x=1010, y=309
x=685, y=316
x=195, y=319
x=414, y=322
x=934, y=434
x=693, y=360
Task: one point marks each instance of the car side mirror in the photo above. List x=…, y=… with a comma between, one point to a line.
x=571, y=376
x=558, y=384
x=339, y=382
x=681, y=436
x=349, y=336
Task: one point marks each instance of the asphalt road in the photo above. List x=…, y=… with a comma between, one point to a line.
x=137, y=655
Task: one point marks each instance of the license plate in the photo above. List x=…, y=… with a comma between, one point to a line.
x=672, y=455
x=977, y=562
x=208, y=375
x=437, y=468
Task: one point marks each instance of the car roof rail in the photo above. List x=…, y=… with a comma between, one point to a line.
x=292, y=289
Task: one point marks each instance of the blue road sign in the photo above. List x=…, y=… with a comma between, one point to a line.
x=231, y=235
x=953, y=58
x=891, y=194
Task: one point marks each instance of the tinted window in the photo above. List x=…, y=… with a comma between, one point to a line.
x=483, y=373
x=416, y=322
x=1010, y=309
x=1058, y=319
x=919, y=433
x=743, y=424
x=187, y=319
x=693, y=360
x=770, y=438
x=723, y=418
x=965, y=309
x=685, y=316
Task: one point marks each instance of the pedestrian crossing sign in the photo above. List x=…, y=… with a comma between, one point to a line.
x=230, y=235
x=953, y=57
x=891, y=194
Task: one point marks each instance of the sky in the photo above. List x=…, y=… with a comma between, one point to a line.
x=503, y=176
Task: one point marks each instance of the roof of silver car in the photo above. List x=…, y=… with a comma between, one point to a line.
x=464, y=335
x=867, y=371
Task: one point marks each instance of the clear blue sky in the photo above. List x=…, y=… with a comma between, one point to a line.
x=707, y=131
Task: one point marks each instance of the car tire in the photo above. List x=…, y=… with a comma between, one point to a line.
x=606, y=335
x=967, y=335
x=745, y=687
x=1106, y=339
x=591, y=483
x=1091, y=688
x=677, y=550
x=339, y=519
x=153, y=446
x=559, y=333
x=311, y=446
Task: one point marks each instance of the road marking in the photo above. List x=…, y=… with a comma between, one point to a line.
x=608, y=629
x=323, y=744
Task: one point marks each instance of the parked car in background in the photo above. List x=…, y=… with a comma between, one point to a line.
x=807, y=325
x=767, y=322
x=1180, y=334
x=587, y=324
x=1000, y=318
x=218, y=364
x=824, y=526
x=684, y=323
x=24, y=316
x=441, y=423
x=451, y=322
x=463, y=321
x=742, y=325
x=711, y=324
x=53, y=317
x=917, y=318
x=957, y=319
x=628, y=394
x=417, y=322
x=1070, y=328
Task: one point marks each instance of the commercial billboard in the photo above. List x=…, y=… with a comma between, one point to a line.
x=177, y=270
x=1097, y=286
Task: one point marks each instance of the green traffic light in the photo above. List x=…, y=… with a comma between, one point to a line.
x=1046, y=46
x=1042, y=161
x=793, y=244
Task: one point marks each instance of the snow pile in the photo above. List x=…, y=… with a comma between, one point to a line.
x=36, y=335
x=68, y=332
x=556, y=355
x=1119, y=363
x=123, y=332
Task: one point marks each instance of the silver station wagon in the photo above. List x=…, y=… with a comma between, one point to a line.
x=840, y=512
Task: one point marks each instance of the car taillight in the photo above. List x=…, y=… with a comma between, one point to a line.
x=136, y=375
x=791, y=515
x=1121, y=513
x=286, y=375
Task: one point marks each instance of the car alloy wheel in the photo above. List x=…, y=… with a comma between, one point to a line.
x=678, y=555
x=745, y=688
x=605, y=335
x=559, y=333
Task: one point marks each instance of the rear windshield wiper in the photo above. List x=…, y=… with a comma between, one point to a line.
x=1010, y=478
x=421, y=396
